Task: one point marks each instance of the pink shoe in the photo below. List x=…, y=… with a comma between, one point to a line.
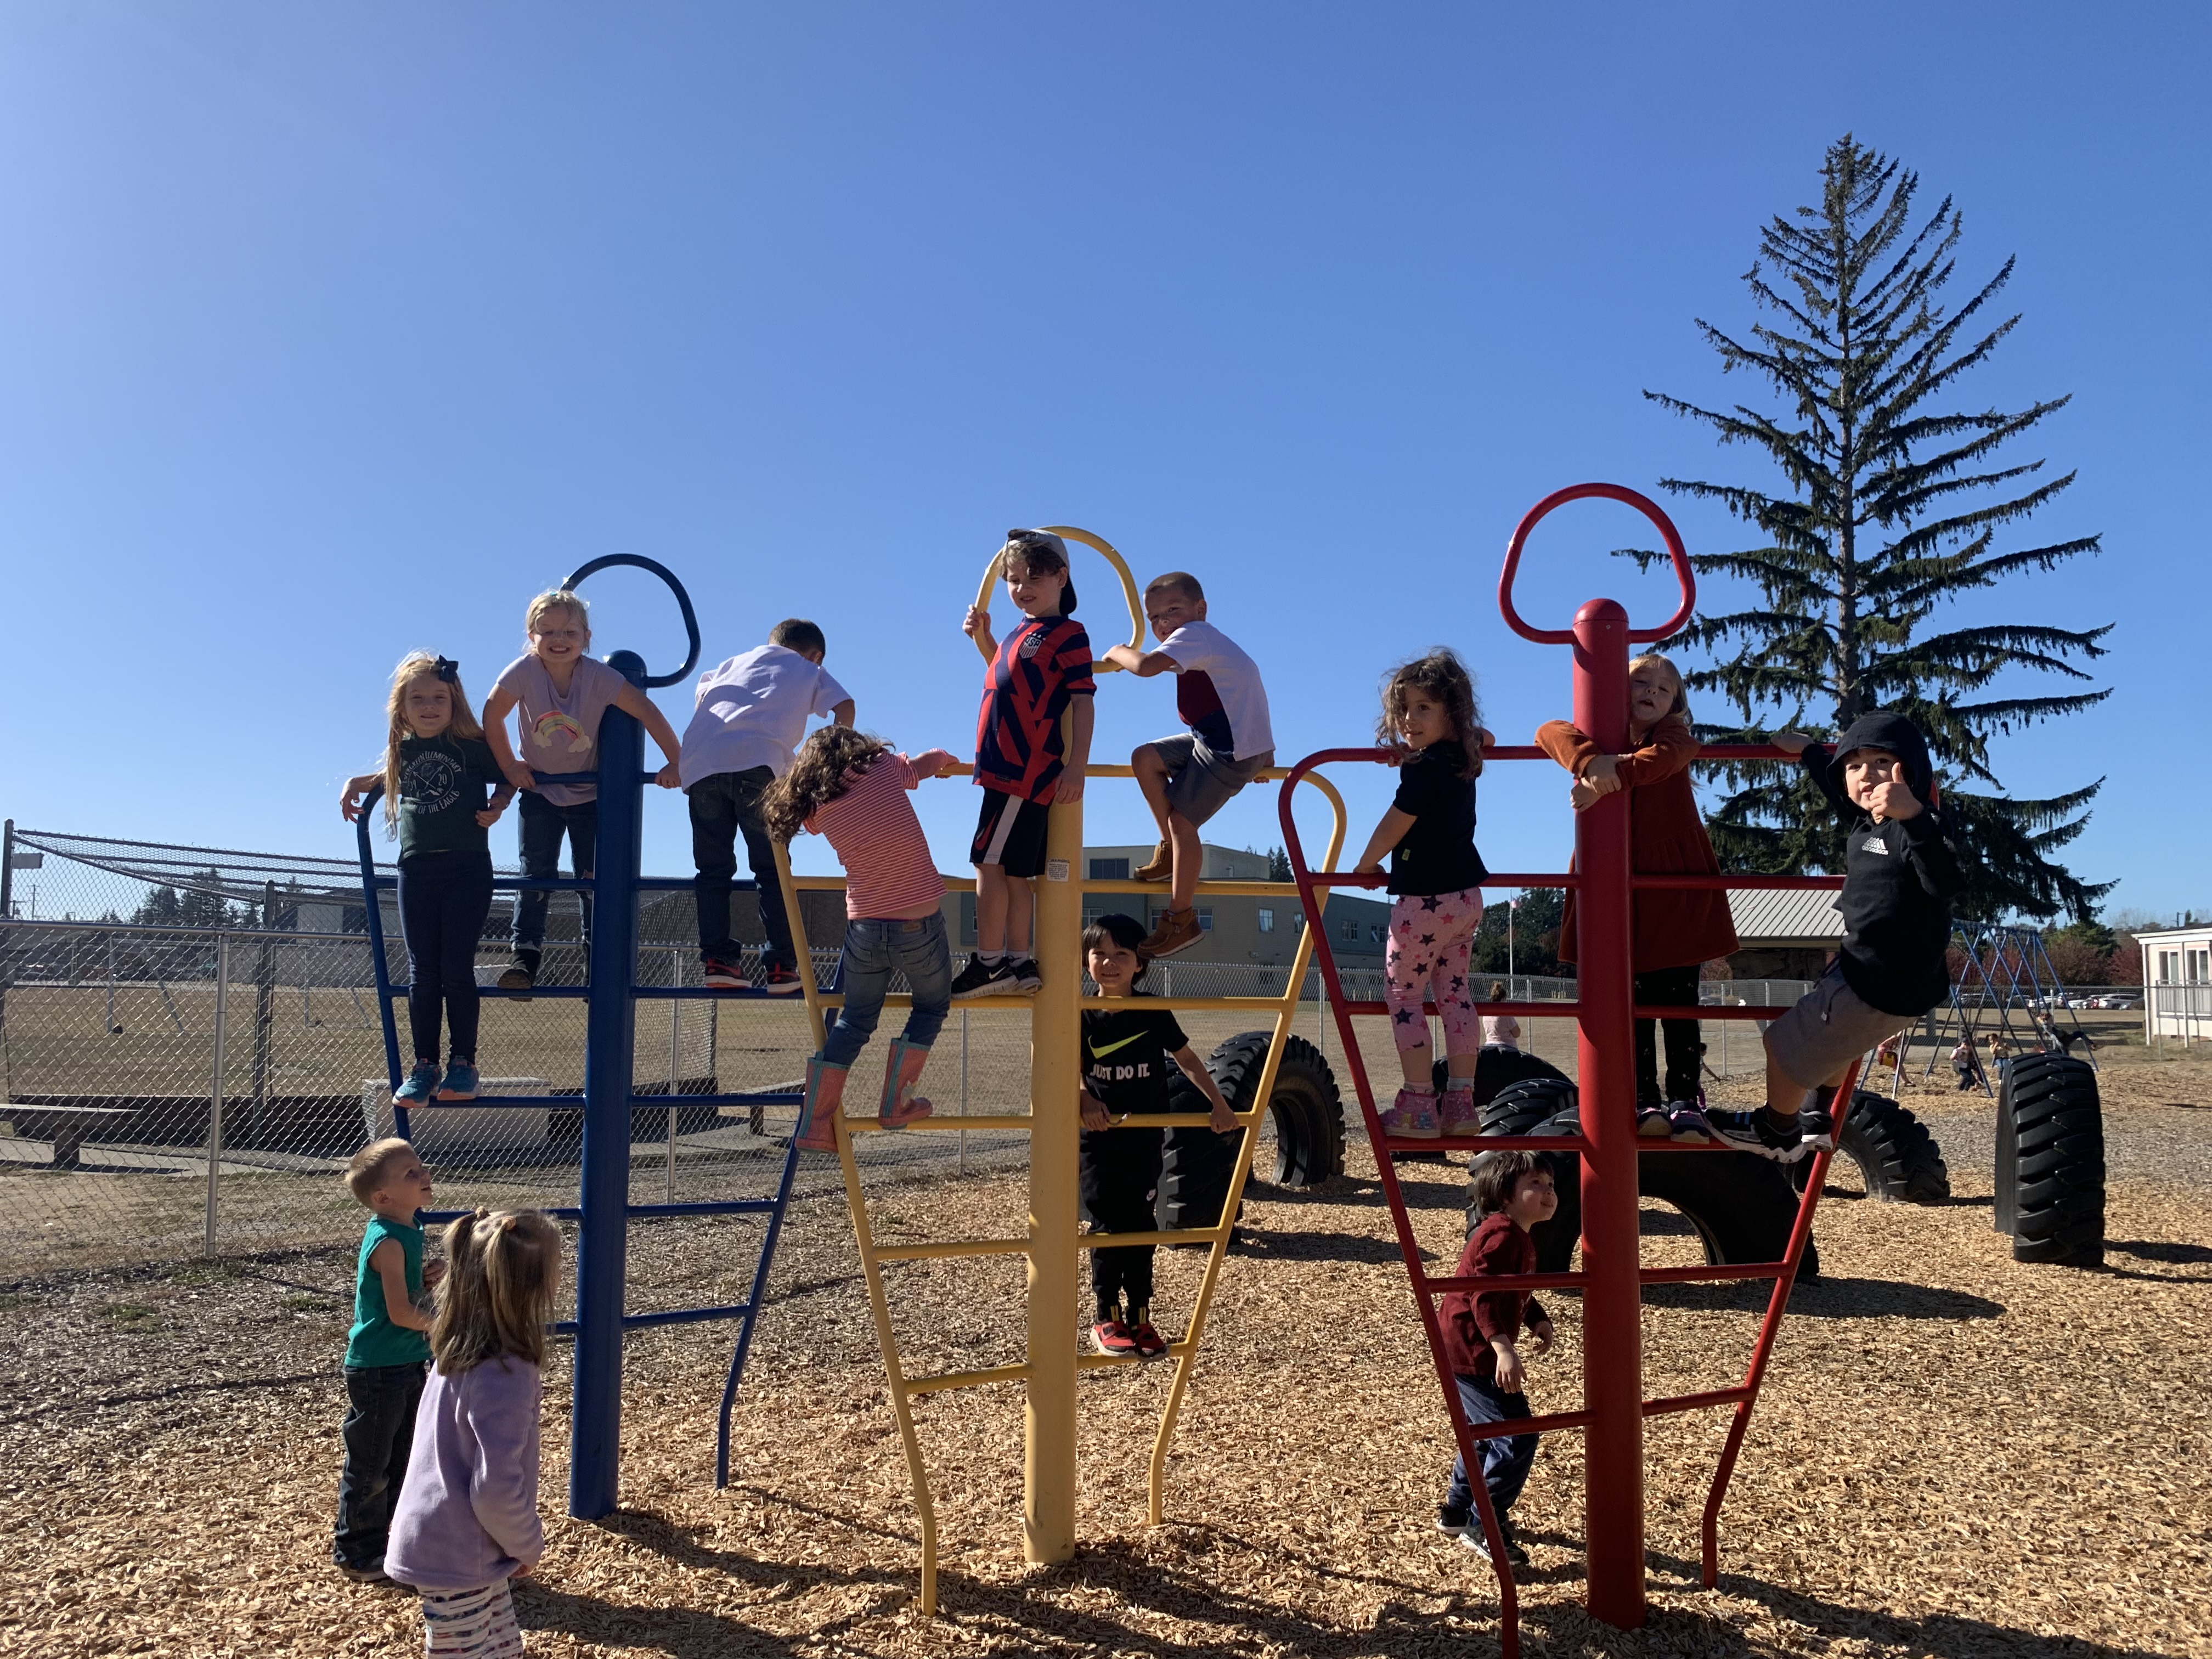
x=825, y=1099
x=1411, y=1116
x=1456, y=1113
x=900, y=1105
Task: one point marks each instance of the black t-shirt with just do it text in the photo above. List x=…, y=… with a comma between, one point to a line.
x=1125, y=1064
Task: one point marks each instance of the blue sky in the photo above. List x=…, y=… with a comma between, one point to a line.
x=329, y=332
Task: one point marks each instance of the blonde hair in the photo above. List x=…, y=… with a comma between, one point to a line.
x=1679, y=708
x=415, y=666
x=497, y=1298
x=557, y=599
x=366, y=1173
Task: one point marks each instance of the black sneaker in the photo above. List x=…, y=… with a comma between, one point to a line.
x=1454, y=1524
x=983, y=979
x=1756, y=1130
x=521, y=974
x=1816, y=1131
x=1027, y=979
x=366, y=1573
x=1474, y=1540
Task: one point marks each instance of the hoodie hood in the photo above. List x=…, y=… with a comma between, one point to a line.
x=1901, y=737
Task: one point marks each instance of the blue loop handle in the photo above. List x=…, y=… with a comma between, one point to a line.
x=682, y=603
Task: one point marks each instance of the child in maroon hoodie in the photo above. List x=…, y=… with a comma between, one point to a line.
x=1515, y=1191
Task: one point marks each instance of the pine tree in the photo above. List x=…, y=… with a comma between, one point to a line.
x=1895, y=509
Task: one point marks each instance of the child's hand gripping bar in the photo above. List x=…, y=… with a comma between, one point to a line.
x=1643, y=504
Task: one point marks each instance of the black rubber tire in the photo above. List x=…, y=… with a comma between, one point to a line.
x=2050, y=1161
x=1497, y=1068
x=1742, y=1205
x=1518, y=1108
x=1896, y=1155
x=1305, y=1107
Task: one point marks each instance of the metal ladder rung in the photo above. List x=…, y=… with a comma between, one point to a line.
x=866, y=1126
x=915, y=1385
x=1213, y=1235
x=1096, y=1362
x=951, y=1248
x=1691, y=1402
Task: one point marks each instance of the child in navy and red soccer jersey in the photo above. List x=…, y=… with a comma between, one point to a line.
x=1022, y=759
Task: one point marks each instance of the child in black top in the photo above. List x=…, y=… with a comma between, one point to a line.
x=1434, y=733
x=1901, y=870
x=1125, y=1070
x=437, y=771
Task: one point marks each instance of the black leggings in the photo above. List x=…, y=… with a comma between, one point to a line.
x=444, y=898
x=1118, y=1173
x=1669, y=987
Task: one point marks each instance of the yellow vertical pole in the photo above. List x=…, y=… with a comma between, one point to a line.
x=1048, y=1416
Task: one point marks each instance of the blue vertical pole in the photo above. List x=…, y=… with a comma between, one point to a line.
x=603, y=1239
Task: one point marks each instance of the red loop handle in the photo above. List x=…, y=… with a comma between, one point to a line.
x=1643, y=504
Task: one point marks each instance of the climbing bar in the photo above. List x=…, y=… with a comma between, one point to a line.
x=1214, y=1235
x=1022, y=1123
x=1376, y=878
x=944, y=1380
x=1755, y=883
x=1693, y=1402
x=950, y=1249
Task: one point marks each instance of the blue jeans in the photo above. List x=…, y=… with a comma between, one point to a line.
x=1506, y=1460
x=379, y=1427
x=540, y=827
x=444, y=898
x=724, y=807
x=874, y=950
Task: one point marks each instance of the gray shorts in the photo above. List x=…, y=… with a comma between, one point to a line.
x=1831, y=1026
x=1200, y=781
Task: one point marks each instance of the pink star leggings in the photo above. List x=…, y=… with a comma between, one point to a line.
x=1431, y=936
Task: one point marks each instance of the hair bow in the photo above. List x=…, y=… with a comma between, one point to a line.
x=449, y=671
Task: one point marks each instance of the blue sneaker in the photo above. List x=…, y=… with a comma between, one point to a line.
x=420, y=1087
x=460, y=1081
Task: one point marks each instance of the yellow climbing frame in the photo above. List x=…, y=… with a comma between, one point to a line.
x=1053, y=1244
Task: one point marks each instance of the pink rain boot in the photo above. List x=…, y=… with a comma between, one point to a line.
x=825, y=1097
x=900, y=1105
x=1456, y=1112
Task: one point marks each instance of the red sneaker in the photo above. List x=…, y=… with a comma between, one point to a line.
x=719, y=976
x=781, y=982
x=1112, y=1336
x=1148, y=1343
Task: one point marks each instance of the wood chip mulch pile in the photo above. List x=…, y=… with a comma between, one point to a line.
x=1956, y=1455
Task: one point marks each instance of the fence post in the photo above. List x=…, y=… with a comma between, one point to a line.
x=264, y=1004
x=216, y=1089
x=675, y=1060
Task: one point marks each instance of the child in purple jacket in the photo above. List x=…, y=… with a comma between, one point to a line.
x=467, y=1518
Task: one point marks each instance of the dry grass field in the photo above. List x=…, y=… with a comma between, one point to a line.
x=1956, y=1455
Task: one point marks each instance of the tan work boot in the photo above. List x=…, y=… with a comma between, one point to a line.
x=1178, y=930
x=1159, y=869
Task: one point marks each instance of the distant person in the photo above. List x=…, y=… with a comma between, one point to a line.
x=1126, y=1054
x=1024, y=761
x=562, y=696
x=850, y=789
x=1900, y=870
x=748, y=715
x=386, y=1352
x=467, y=1523
x=1675, y=932
x=1513, y=1192
x=1432, y=732
x=1186, y=780
x=1966, y=1063
x=442, y=793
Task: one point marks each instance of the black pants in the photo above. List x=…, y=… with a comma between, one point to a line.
x=444, y=898
x=1118, y=1172
x=1669, y=987
x=540, y=828
x=724, y=807
x=379, y=1427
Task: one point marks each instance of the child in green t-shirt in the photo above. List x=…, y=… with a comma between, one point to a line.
x=385, y=1351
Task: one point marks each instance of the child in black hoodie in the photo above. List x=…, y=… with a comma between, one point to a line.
x=1899, y=873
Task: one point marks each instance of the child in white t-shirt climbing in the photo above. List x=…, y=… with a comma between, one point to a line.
x=1188, y=778
x=562, y=695
x=749, y=715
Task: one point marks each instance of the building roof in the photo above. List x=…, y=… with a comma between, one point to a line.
x=1767, y=917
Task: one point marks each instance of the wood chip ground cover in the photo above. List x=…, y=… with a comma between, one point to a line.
x=1956, y=1455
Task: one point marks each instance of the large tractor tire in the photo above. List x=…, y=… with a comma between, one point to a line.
x=2050, y=1161
x=1896, y=1155
x=1740, y=1204
x=1305, y=1108
x=1497, y=1068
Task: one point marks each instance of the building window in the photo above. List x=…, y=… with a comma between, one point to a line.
x=1205, y=918
x=1352, y=931
x=2200, y=967
x=1109, y=869
x=2169, y=967
x=1267, y=919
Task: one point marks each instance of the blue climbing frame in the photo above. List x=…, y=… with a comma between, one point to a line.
x=604, y=1212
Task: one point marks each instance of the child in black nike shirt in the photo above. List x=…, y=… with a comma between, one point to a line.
x=1125, y=1054
x=1900, y=870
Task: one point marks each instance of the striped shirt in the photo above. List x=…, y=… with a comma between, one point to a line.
x=888, y=869
x=1019, y=749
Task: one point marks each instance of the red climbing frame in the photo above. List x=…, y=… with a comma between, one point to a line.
x=1614, y=1406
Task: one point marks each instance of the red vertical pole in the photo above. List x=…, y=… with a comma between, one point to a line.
x=1612, y=1336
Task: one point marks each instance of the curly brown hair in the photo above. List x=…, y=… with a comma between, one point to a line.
x=820, y=774
x=1443, y=677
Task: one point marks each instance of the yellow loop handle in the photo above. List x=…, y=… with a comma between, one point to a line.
x=1069, y=533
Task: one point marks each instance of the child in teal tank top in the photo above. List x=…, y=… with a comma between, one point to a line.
x=386, y=1351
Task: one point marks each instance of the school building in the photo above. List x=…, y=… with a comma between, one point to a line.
x=2176, y=975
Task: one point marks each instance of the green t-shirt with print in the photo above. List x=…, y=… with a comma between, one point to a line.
x=444, y=782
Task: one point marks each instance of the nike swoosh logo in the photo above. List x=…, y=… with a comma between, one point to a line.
x=1098, y=1053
